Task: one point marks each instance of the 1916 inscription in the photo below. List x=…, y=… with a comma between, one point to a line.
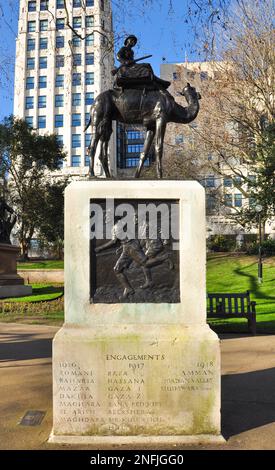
x=124, y=393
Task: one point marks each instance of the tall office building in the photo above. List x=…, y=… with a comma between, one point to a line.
x=58, y=74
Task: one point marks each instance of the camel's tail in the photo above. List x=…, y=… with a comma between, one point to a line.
x=87, y=125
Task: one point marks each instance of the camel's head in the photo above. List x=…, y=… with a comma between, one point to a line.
x=190, y=93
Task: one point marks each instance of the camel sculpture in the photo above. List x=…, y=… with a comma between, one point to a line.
x=151, y=108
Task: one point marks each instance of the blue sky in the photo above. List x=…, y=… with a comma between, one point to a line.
x=161, y=31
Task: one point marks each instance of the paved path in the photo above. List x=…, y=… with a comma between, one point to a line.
x=248, y=389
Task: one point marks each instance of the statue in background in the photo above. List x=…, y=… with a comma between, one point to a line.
x=7, y=221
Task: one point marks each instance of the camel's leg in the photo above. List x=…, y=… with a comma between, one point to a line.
x=104, y=149
x=150, y=134
x=104, y=157
x=92, y=151
x=160, y=133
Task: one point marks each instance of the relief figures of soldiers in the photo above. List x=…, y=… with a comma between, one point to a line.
x=134, y=250
x=145, y=253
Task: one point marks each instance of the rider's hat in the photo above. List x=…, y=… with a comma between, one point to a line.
x=130, y=37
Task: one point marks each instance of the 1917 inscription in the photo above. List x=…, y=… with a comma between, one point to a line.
x=124, y=396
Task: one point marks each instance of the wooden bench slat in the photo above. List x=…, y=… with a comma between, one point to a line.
x=233, y=305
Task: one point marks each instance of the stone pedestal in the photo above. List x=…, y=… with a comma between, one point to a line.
x=139, y=372
x=11, y=284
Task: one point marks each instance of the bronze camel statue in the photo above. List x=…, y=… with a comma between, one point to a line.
x=151, y=108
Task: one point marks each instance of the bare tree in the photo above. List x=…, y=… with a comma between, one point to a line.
x=237, y=118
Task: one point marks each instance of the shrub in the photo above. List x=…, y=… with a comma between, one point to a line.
x=221, y=243
x=268, y=248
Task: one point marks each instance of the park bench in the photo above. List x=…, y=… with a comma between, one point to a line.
x=232, y=306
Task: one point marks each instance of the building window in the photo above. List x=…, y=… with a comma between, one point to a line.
x=89, y=21
x=89, y=41
x=89, y=98
x=87, y=139
x=252, y=179
x=44, y=5
x=89, y=58
x=76, y=59
x=60, y=4
x=31, y=45
x=134, y=148
x=59, y=81
x=76, y=159
x=29, y=102
x=59, y=139
x=210, y=181
x=59, y=42
x=210, y=202
x=76, y=99
x=176, y=76
x=179, y=139
x=59, y=61
x=29, y=120
x=58, y=120
x=31, y=26
x=87, y=118
x=76, y=141
x=77, y=22
x=42, y=101
x=76, y=3
x=42, y=82
x=59, y=101
x=43, y=43
x=237, y=180
x=238, y=200
x=89, y=78
x=41, y=123
x=43, y=25
x=76, y=41
x=29, y=83
x=60, y=23
x=133, y=162
x=228, y=200
x=32, y=6
x=30, y=63
x=42, y=62
x=134, y=135
x=76, y=79
x=227, y=182
x=76, y=119
x=252, y=202
x=89, y=3
x=87, y=160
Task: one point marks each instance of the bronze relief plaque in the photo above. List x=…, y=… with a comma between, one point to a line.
x=134, y=251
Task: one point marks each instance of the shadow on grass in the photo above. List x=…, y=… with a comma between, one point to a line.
x=47, y=290
x=253, y=283
x=248, y=401
x=263, y=328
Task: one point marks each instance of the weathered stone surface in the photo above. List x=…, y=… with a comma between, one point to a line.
x=14, y=291
x=134, y=370
x=11, y=284
x=132, y=381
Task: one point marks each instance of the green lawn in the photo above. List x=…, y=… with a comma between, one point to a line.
x=40, y=292
x=238, y=273
x=226, y=272
x=43, y=264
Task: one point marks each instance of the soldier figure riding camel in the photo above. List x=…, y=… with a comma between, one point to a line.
x=138, y=97
x=131, y=74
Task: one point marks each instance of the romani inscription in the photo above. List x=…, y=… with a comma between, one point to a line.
x=121, y=395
